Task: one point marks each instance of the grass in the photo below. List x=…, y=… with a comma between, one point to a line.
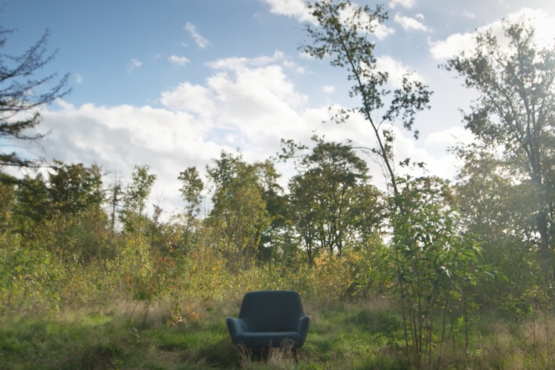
x=342, y=336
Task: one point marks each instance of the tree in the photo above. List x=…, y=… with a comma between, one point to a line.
x=497, y=210
x=21, y=93
x=191, y=193
x=239, y=214
x=62, y=211
x=426, y=240
x=114, y=195
x=305, y=212
x=7, y=197
x=434, y=266
x=134, y=200
x=74, y=188
x=75, y=205
x=191, y=190
x=276, y=241
x=33, y=202
x=325, y=197
x=515, y=112
x=343, y=35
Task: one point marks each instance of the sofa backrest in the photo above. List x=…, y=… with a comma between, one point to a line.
x=271, y=310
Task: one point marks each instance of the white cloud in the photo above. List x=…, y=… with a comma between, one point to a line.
x=453, y=45
x=291, y=8
x=449, y=137
x=119, y=137
x=297, y=9
x=294, y=66
x=409, y=23
x=238, y=63
x=269, y=95
x=134, y=64
x=250, y=96
x=200, y=41
x=459, y=42
x=381, y=31
x=178, y=60
x=147, y=128
x=187, y=97
x=78, y=78
x=328, y=89
x=444, y=166
x=251, y=106
x=404, y=3
x=396, y=70
x=542, y=21
x=241, y=63
x=420, y=16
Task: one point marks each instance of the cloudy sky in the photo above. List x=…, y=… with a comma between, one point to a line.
x=172, y=83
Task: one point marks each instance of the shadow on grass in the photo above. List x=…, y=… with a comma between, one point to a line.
x=101, y=356
x=220, y=354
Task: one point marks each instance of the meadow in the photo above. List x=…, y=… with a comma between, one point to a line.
x=183, y=326
x=425, y=273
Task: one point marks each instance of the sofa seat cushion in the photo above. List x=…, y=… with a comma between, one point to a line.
x=262, y=340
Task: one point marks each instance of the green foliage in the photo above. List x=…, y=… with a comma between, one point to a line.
x=61, y=213
x=191, y=190
x=191, y=193
x=332, y=204
x=74, y=188
x=144, y=273
x=30, y=279
x=7, y=199
x=497, y=210
x=134, y=200
x=513, y=114
x=239, y=214
x=433, y=276
x=434, y=265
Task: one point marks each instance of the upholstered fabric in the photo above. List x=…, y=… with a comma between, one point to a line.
x=269, y=319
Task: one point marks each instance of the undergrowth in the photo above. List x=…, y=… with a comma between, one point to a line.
x=342, y=335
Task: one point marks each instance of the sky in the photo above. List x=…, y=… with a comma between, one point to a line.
x=172, y=83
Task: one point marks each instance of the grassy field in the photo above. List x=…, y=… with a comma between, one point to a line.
x=341, y=336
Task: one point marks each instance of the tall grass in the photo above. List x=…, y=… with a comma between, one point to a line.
x=343, y=335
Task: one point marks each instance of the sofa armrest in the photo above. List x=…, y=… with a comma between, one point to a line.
x=303, y=327
x=235, y=327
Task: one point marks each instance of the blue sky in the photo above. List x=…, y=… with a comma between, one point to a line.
x=170, y=83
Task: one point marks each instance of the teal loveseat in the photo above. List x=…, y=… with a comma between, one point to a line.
x=270, y=318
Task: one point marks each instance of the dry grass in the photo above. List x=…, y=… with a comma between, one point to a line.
x=527, y=345
x=342, y=335
x=274, y=359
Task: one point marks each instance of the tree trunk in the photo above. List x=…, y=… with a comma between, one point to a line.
x=541, y=222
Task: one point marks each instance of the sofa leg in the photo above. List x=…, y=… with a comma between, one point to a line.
x=295, y=356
